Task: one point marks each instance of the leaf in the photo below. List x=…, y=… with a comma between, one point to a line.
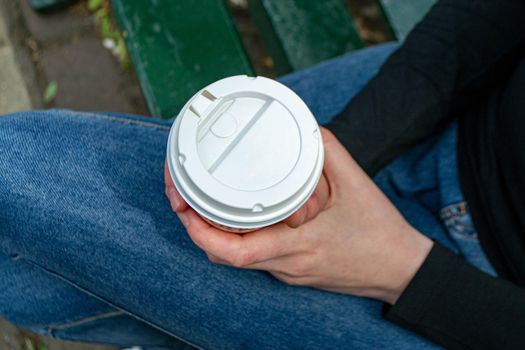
x=105, y=27
x=50, y=92
x=92, y=5
x=28, y=344
x=106, y=31
x=121, y=51
x=101, y=13
x=42, y=347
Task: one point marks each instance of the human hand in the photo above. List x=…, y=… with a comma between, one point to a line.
x=358, y=243
x=307, y=212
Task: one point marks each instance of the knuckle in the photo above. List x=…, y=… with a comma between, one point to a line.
x=328, y=136
x=283, y=277
x=294, y=220
x=212, y=259
x=305, y=265
x=198, y=239
x=243, y=258
x=294, y=281
x=299, y=270
x=201, y=239
x=314, y=206
x=289, y=280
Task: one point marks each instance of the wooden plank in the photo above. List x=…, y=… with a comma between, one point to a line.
x=178, y=47
x=403, y=15
x=43, y=5
x=301, y=33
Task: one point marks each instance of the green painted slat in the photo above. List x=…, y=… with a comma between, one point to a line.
x=42, y=5
x=403, y=15
x=178, y=47
x=301, y=33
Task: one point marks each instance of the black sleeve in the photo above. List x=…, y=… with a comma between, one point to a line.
x=452, y=57
x=458, y=306
x=453, y=53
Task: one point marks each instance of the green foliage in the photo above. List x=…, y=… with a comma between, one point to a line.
x=122, y=52
x=28, y=344
x=106, y=29
x=93, y=5
x=101, y=13
x=50, y=93
x=101, y=10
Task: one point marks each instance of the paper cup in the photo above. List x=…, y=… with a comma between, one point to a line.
x=245, y=153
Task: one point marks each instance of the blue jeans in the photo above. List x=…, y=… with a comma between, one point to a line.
x=91, y=251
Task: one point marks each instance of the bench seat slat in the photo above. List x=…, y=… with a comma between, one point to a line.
x=178, y=47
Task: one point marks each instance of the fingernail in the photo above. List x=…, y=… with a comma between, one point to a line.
x=183, y=218
x=174, y=199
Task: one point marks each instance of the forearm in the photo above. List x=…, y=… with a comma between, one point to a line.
x=404, y=255
x=458, y=306
x=459, y=48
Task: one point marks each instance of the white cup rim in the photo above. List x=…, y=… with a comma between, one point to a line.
x=230, y=215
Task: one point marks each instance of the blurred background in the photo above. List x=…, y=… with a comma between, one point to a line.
x=74, y=55
x=68, y=57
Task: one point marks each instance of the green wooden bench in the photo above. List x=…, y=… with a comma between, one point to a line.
x=179, y=46
x=43, y=5
x=301, y=33
x=402, y=15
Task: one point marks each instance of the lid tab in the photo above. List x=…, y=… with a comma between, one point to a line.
x=201, y=102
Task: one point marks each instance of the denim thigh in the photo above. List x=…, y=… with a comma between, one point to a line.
x=47, y=305
x=82, y=198
x=42, y=303
x=78, y=204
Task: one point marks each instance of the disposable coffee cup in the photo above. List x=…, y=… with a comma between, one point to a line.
x=245, y=153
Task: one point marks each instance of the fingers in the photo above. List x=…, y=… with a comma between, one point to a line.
x=340, y=168
x=336, y=156
x=290, y=279
x=216, y=260
x=315, y=204
x=176, y=201
x=299, y=217
x=236, y=250
x=320, y=198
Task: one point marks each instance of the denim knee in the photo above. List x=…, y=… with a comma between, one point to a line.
x=31, y=299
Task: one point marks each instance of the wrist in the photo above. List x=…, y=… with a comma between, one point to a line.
x=410, y=250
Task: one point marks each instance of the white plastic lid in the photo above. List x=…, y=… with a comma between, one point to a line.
x=245, y=152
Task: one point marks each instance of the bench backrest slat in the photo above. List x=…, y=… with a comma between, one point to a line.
x=301, y=33
x=403, y=15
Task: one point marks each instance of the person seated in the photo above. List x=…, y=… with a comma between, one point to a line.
x=418, y=220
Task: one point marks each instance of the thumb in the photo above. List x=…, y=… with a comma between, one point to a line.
x=339, y=167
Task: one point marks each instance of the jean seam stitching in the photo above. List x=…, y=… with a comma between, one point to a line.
x=458, y=222
x=119, y=308
x=124, y=120
x=471, y=236
x=449, y=211
x=59, y=326
x=84, y=320
x=450, y=216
